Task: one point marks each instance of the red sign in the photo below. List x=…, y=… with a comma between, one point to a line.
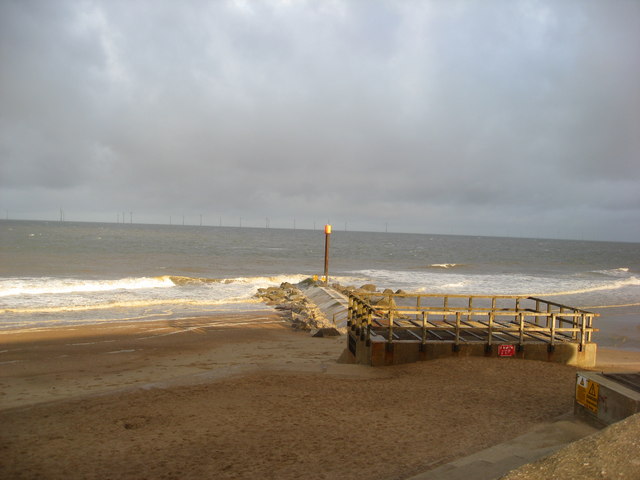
x=506, y=350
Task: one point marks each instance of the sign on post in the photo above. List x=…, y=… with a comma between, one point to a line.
x=506, y=350
x=587, y=393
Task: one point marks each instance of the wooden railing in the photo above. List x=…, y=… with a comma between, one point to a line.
x=460, y=319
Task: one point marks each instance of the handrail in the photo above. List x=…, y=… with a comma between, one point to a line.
x=524, y=320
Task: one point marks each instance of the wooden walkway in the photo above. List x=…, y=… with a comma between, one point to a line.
x=466, y=319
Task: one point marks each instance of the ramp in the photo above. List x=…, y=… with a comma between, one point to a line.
x=334, y=305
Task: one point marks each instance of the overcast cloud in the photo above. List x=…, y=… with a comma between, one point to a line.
x=493, y=117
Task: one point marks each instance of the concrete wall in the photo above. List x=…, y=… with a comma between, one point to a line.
x=614, y=401
x=383, y=353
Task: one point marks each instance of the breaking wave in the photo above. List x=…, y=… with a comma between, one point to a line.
x=48, y=285
x=614, y=272
x=130, y=304
x=47, y=300
x=445, y=266
x=497, y=284
x=629, y=282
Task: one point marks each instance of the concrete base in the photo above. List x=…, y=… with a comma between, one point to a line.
x=608, y=402
x=382, y=353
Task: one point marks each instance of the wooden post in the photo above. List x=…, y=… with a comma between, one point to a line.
x=491, y=315
x=424, y=327
x=327, y=236
x=521, y=318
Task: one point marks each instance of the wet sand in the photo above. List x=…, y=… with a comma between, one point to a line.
x=243, y=396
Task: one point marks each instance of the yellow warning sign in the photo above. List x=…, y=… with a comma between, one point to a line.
x=592, y=396
x=587, y=393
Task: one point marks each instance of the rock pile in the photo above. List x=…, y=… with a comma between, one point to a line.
x=295, y=307
x=303, y=314
x=375, y=297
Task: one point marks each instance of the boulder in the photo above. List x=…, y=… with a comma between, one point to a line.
x=386, y=302
x=326, y=332
x=307, y=282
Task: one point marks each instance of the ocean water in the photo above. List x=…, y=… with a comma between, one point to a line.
x=61, y=273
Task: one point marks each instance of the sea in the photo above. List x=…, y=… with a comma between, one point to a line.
x=64, y=273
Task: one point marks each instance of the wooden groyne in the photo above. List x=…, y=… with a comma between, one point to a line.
x=395, y=328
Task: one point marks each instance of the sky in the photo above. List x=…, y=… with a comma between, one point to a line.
x=492, y=117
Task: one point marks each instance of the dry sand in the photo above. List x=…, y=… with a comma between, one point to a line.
x=243, y=396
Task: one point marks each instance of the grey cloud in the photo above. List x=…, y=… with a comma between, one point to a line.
x=454, y=113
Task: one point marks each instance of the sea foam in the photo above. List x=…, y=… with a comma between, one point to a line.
x=46, y=285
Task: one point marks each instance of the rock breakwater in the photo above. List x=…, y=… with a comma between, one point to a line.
x=294, y=306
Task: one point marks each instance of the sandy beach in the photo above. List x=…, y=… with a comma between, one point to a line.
x=244, y=396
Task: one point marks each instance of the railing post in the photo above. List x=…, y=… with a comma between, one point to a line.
x=521, y=319
x=390, y=340
x=562, y=320
x=350, y=310
x=490, y=339
x=424, y=327
x=446, y=307
x=458, y=314
x=553, y=329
